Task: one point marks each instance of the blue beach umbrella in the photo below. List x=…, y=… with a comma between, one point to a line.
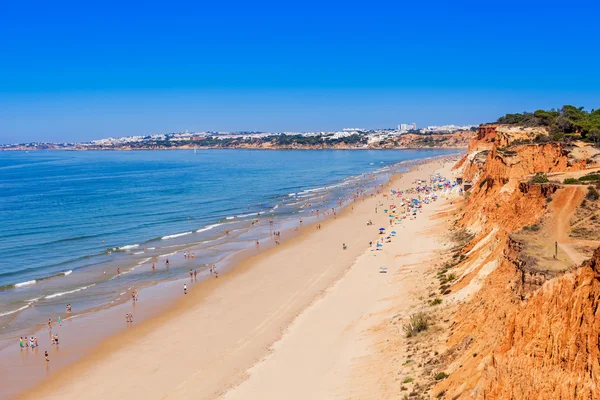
x=382, y=229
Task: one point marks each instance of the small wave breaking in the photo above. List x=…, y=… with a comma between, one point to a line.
x=27, y=283
x=208, y=227
x=59, y=294
x=176, y=235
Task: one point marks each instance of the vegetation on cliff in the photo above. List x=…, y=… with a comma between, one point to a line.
x=568, y=120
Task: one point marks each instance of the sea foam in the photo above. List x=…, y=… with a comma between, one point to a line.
x=51, y=296
x=208, y=227
x=31, y=282
x=176, y=235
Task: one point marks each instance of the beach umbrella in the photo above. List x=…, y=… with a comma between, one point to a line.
x=382, y=229
x=393, y=232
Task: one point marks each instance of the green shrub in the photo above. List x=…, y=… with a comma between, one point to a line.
x=482, y=183
x=440, y=375
x=540, y=177
x=592, y=194
x=418, y=322
x=407, y=380
x=435, y=301
x=590, y=177
x=532, y=228
x=541, y=138
x=570, y=181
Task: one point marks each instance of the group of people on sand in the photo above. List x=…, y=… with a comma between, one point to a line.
x=28, y=343
x=32, y=342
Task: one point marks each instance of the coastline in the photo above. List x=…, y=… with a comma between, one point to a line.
x=31, y=297
x=204, y=301
x=458, y=148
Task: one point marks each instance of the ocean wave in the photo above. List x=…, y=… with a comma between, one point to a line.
x=14, y=311
x=67, y=273
x=31, y=282
x=242, y=216
x=129, y=247
x=51, y=296
x=145, y=260
x=213, y=240
x=168, y=254
x=318, y=189
x=176, y=235
x=208, y=227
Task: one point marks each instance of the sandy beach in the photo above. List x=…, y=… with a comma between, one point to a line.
x=290, y=322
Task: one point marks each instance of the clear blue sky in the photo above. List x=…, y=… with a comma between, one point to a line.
x=76, y=71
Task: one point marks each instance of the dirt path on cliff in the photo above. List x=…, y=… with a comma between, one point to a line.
x=563, y=206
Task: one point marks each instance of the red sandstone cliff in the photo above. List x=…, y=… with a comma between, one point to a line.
x=527, y=324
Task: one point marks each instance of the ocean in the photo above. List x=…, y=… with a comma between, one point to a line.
x=71, y=220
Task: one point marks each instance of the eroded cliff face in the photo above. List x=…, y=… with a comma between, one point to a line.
x=527, y=324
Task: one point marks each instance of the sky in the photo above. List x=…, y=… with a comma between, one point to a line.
x=71, y=71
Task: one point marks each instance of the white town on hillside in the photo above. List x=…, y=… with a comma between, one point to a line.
x=373, y=136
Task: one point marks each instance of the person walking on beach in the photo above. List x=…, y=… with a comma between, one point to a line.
x=59, y=321
x=195, y=273
x=152, y=267
x=184, y=288
x=21, y=343
x=46, y=355
x=167, y=262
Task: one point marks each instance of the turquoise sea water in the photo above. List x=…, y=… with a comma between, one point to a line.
x=70, y=219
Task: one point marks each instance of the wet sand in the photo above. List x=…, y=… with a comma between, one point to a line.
x=207, y=342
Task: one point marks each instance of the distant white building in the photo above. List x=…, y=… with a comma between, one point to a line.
x=448, y=128
x=407, y=127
